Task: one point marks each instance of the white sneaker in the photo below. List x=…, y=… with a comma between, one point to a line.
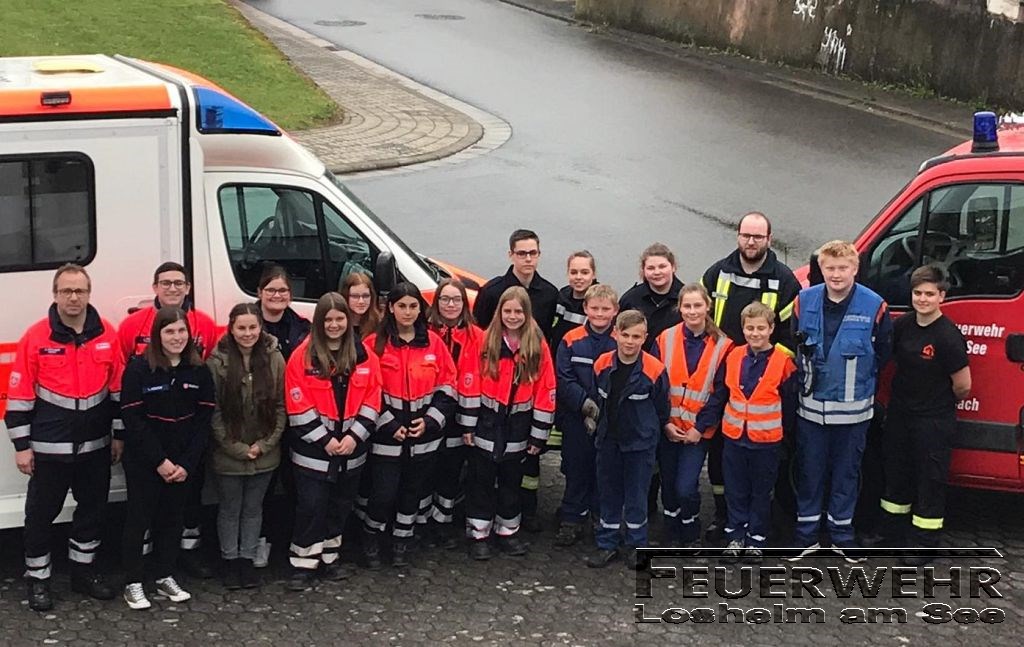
x=135, y=596
x=809, y=550
x=168, y=588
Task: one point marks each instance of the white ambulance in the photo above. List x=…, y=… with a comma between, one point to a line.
x=119, y=164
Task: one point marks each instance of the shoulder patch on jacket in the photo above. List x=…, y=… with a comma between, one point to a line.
x=651, y=366
x=574, y=335
x=604, y=361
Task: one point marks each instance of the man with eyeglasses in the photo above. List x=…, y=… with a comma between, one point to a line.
x=171, y=287
x=62, y=407
x=524, y=252
x=752, y=272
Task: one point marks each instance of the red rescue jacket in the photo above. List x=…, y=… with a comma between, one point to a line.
x=464, y=344
x=133, y=335
x=418, y=381
x=64, y=388
x=514, y=413
x=314, y=416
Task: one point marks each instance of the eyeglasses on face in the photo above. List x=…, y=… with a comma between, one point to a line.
x=757, y=238
x=359, y=297
x=277, y=291
x=166, y=283
x=67, y=293
x=526, y=253
x=450, y=301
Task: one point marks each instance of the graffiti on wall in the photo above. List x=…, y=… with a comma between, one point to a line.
x=805, y=9
x=832, y=53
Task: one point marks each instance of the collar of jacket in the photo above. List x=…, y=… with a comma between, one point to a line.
x=63, y=334
x=420, y=339
x=672, y=294
x=511, y=280
x=594, y=333
x=731, y=263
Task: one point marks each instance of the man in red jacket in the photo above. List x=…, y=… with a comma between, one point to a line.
x=172, y=287
x=61, y=409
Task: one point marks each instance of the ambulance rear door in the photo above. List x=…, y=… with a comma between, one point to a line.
x=972, y=224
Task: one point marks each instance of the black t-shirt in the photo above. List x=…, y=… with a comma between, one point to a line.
x=619, y=378
x=926, y=357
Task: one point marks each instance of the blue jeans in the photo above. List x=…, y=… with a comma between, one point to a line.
x=827, y=452
x=623, y=481
x=680, y=466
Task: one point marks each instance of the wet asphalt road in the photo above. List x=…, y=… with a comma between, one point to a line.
x=613, y=147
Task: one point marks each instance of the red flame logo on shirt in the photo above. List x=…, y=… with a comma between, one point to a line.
x=928, y=352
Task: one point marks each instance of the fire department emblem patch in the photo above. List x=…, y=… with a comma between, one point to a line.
x=296, y=394
x=468, y=379
x=15, y=378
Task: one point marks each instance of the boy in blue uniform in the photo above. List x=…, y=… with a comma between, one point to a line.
x=845, y=337
x=632, y=388
x=755, y=406
x=576, y=413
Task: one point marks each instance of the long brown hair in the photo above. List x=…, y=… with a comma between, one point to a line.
x=371, y=320
x=318, y=353
x=265, y=384
x=388, y=326
x=165, y=316
x=434, y=318
x=710, y=327
x=531, y=340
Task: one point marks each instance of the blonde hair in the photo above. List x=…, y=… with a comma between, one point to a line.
x=838, y=249
x=601, y=291
x=710, y=327
x=630, y=318
x=531, y=341
x=755, y=310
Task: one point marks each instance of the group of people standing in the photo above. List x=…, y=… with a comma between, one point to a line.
x=398, y=411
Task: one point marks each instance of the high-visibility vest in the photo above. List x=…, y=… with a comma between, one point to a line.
x=761, y=413
x=689, y=393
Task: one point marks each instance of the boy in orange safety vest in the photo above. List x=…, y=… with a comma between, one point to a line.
x=759, y=390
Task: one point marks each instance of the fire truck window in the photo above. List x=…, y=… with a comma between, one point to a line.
x=272, y=225
x=893, y=258
x=976, y=232
x=48, y=204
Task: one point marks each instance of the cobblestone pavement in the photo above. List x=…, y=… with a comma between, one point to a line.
x=389, y=120
x=546, y=598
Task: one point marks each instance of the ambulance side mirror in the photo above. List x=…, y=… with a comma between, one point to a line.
x=1015, y=348
x=385, y=273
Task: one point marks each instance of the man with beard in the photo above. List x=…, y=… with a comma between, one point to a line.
x=750, y=273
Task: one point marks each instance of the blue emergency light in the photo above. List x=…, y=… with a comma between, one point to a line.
x=220, y=113
x=986, y=138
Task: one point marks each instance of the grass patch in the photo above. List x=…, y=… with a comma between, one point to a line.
x=207, y=37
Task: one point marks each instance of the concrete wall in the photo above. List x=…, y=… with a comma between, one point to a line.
x=955, y=47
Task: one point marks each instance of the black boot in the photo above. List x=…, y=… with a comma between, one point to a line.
x=301, y=580
x=400, y=553
x=371, y=549
x=247, y=575
x=512, y=546
x=39, y=598
x=232, y=574
x=480, y=550
x=85, y=580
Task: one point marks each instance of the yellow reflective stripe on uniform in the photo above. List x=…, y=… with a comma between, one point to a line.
x=927, y=524
x=555, y=438
x=895, y=508
x=720, y=296
x=717, y=490
x=786, y=312
x=530, y=483
x=770, y=299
